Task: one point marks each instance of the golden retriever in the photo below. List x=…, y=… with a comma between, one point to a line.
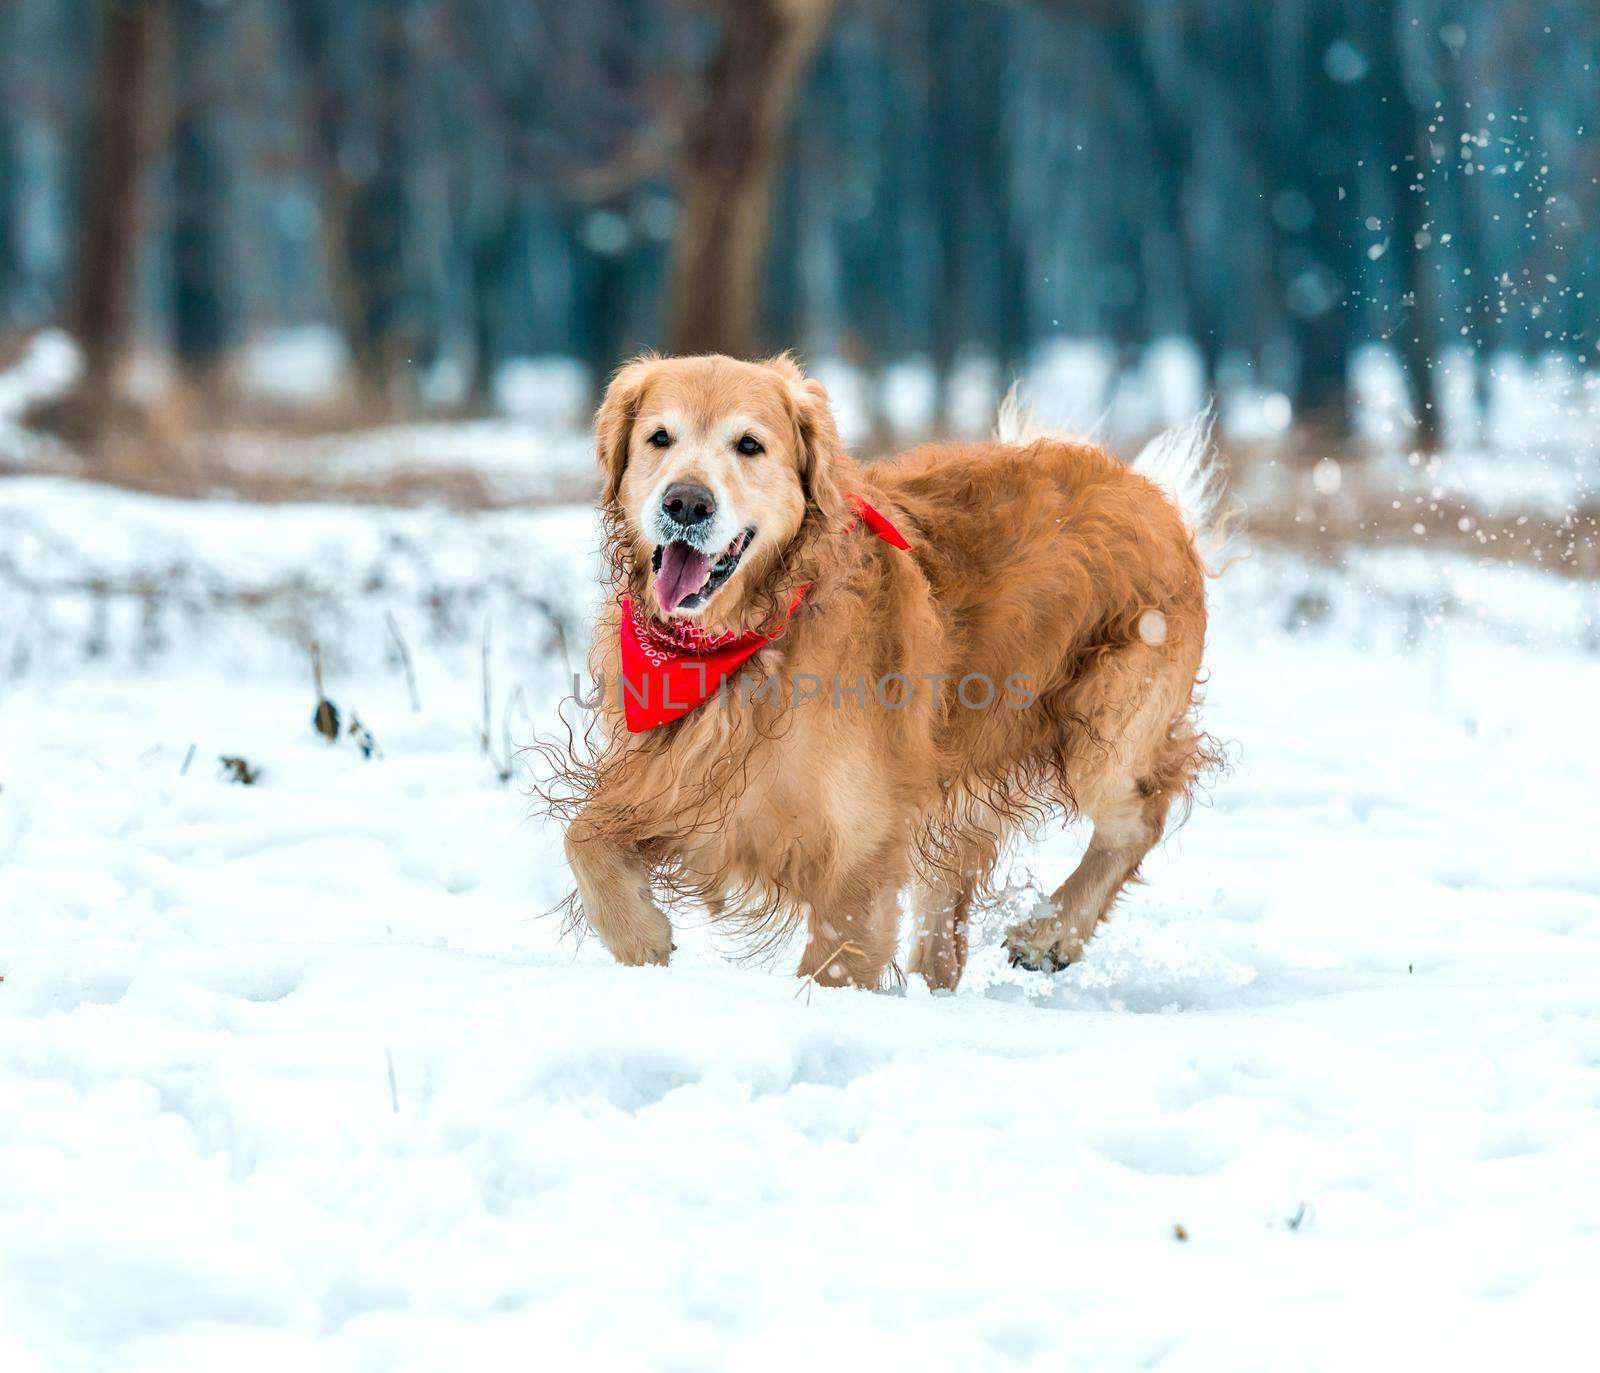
x=900, y=713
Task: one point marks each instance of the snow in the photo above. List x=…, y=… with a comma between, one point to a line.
x=971, y=395
x=119, y=578
x=48, y=366
x=298, y=365
x=296, y=1074
x=1546, y=482
x=549, y=390
x=1524, y=449
x=1070, y=384
x=850, y=396
x=513, y=460
x=910, y=397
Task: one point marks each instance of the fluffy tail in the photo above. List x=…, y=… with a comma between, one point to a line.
x=1183, y=462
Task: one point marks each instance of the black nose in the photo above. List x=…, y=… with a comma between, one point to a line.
x=688, y=505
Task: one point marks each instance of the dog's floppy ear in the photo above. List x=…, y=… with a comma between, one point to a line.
x=819, y=438
x=613, y=424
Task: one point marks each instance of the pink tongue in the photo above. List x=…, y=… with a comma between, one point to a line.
x=683, y=572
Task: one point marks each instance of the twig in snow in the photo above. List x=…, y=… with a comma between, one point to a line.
x=405, y=659
x=502, y=767
x=483, y=729
x=187, y=759
x=508, y=751
x=394, y=1091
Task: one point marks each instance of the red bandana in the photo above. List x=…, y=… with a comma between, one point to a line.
x=876, y=522
x=670, y=667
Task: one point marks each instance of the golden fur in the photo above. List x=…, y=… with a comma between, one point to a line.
x=1040, y=561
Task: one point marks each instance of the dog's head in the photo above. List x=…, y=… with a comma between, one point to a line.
x=716, y=474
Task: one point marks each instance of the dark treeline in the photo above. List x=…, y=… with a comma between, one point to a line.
x=478, y=180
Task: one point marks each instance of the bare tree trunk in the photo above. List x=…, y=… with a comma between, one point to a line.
x=732, y=147
x=200, y=304
x=99, y=313
x=12, y=271
x=375, y=244
x=1406, y=147
x=356, y=141
x=1415, y=336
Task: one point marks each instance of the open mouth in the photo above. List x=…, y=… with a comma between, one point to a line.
x=686, y=577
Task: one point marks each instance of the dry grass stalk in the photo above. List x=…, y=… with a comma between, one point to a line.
x=809, y=980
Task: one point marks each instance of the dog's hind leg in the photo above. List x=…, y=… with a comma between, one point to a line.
x=1126, y=786
x=1116, y=848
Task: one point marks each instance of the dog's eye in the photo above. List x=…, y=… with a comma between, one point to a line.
x=661, y=439
x=750, y=446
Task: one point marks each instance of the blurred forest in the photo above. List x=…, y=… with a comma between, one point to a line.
x=435, y=190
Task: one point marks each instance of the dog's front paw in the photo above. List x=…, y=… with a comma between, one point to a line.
x=1041, y=946
x=640, y=940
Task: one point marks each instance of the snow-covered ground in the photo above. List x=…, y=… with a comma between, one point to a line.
x=294, y=1075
